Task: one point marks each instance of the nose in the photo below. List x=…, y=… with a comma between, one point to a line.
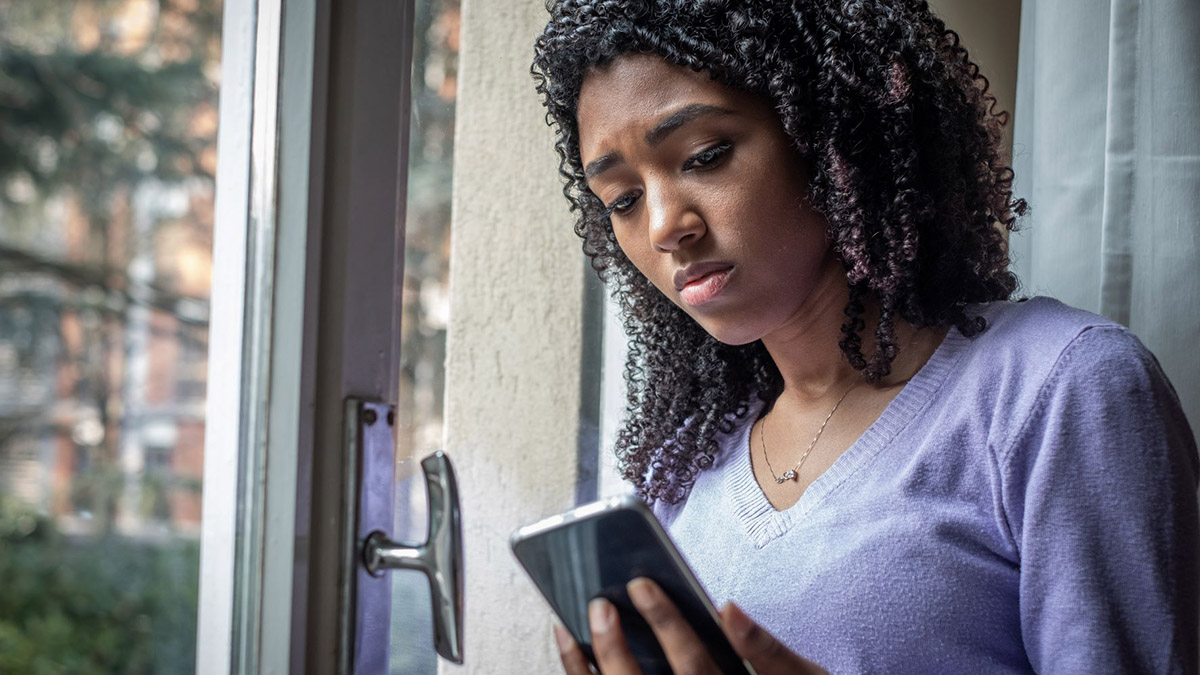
x=674, y=221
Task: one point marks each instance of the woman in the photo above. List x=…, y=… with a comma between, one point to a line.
x=849, y=430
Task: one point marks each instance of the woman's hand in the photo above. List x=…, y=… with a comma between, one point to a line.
x=686, y=654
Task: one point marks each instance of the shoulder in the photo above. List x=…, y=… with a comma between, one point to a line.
x=1025, y=341
x=1064, y=371
x=1010, y=360
x=1036, y=329
x=1038, y=354
x=1052, y=344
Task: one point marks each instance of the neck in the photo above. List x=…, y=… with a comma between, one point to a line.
x=805, y=348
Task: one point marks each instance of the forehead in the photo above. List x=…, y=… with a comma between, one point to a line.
x=629, y=95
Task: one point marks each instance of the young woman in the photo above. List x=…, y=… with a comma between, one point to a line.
x=851, y=432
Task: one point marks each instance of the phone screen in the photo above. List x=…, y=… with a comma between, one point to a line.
x=596, y=556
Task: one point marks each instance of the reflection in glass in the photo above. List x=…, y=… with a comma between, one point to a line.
x=108, y=116
x=425, y=308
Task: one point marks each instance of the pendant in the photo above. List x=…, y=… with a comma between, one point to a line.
x=790, y=474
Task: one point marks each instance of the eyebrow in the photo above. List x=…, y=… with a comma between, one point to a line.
x=679, y=118
x=667, y=126
x=601, y=164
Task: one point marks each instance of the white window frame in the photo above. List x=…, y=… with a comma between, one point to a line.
x=256, y=382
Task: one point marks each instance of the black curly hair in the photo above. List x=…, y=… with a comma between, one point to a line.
x=905, y=148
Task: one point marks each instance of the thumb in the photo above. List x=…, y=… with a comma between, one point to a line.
x=767, y=655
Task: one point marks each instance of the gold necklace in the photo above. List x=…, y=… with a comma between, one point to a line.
x=791, y=474
x=794, y=472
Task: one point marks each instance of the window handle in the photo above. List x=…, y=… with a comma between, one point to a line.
x=365, y=616
x=439, y=558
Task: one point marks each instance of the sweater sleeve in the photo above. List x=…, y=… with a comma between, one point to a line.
x=1099, y=491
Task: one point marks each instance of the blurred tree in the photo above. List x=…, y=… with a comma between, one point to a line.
x=92, y=107
x=108, y=117
x=98, y=98
x=93, y=607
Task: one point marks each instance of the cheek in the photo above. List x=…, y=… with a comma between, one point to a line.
x=773, y=226
x=627, y=245
x=639, y=251
x=785, y=217
x=785, y=243
x=799, y=253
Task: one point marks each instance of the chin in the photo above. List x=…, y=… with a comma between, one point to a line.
x=734, y=335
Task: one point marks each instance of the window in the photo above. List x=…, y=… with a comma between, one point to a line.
x=108, y=112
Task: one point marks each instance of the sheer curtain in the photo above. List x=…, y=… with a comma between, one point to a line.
x=1107, y=151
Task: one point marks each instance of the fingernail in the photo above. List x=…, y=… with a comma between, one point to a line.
x=640, y=591
x=562, y=638
x=600, y=614
x=739, y=624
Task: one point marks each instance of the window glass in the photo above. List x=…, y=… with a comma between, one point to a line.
x=108, y=117
x=425, y=307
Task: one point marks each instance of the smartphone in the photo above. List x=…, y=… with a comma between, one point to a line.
x=594, y=551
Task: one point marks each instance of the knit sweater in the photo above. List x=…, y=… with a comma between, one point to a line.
x=1026, y=503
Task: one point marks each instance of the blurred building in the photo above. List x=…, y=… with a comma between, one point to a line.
x=107, y=156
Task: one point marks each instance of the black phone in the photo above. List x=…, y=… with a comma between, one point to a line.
x=594, y=551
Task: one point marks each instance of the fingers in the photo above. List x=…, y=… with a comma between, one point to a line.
x=573, y=660
x=683, y=648
x=768, y=655
x=608, y=642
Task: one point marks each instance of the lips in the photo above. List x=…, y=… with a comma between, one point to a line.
x=701, y=282
x=695, y=272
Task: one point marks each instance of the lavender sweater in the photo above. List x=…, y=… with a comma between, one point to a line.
x=1027, y=503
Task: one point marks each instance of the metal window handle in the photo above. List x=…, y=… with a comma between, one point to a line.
x=365, y=607
x=439, y=558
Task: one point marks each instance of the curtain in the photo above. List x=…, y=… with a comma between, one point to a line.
x=1107, y=152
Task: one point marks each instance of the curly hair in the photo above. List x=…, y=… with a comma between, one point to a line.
x=853, y=82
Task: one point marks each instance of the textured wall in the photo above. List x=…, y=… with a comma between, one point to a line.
x=990, y=32
x=516, y=284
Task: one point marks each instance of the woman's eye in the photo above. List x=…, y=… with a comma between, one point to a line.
x=623, y=203
x=707, y=159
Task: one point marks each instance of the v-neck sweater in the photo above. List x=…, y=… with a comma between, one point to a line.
x=1026, y=503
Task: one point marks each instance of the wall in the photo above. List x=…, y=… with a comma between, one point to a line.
x=513, y=366
x=990, y=32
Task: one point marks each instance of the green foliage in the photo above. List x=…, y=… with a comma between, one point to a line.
x=89, y=119
x=101, y=606
x=100, y=118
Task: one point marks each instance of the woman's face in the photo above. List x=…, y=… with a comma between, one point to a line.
x=707, y=197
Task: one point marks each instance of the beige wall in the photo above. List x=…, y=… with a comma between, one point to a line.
x=989, y=30
x=512, y=372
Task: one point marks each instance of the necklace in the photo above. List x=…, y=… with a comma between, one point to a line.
x=793, y=472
